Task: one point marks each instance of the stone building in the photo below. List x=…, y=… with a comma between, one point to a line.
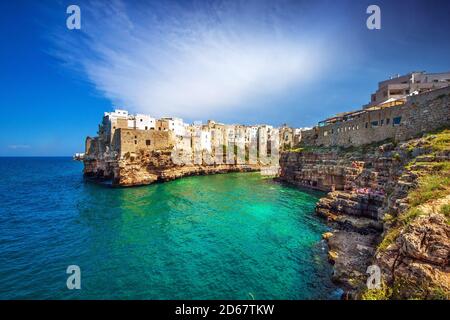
x=176, y=125
x=122, y=119
x=286, y=137
x=420, y=113
x=134, y=140
x=400, y=87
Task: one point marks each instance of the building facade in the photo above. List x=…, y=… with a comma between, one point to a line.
x=399, y=87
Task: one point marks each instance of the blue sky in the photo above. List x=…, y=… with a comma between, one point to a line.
x=249, y=62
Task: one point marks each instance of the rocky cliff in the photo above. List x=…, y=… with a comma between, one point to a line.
x=387, y=204
x=146, y=167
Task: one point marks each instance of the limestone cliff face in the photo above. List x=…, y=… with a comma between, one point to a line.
x=146, y=167
x=372, y=212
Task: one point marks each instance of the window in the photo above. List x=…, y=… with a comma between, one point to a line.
x=147, y=142
x=135, y=141
x=367, y=124
x=396, y=121
x=387, y=121
x=381, y=122
x=141, y=120
x=374, y=124
x=146, y=128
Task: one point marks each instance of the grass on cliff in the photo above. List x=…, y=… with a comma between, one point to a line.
x=439, y=140
x=434, y=176
x=304, y=148
x=445, y=210
x=389, y=238
x=433, y=184
x=415, y=291
x=384, y=293
x=431, y=187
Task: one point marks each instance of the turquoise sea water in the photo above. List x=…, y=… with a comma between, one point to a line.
x=229, y=236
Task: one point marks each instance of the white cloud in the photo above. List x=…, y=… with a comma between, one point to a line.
x=189, y=62
x=19, y=146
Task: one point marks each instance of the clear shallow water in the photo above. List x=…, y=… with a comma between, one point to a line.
x=230, y=236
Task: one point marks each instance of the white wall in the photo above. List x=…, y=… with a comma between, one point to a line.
x=205, y=140
x=176, y=125
x=144, y=122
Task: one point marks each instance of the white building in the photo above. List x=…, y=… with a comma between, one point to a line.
x=240, y=135
x=138, y=121
x=399, y=87
x=117, y=113
x=110, y=118
x=144, y=122
x=251, y=134
x=230, y=133
x=175, y=125
x=205, y=140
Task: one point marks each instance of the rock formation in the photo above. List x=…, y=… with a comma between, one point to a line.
x=146, y=167
x=375, y=216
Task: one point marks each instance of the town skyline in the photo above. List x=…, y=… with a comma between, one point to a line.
x=56, y=84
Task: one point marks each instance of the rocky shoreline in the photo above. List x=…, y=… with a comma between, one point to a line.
x=155, y=166
x=369, y=194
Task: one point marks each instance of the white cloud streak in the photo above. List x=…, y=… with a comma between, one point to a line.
x=19, y=146
x=194, y=62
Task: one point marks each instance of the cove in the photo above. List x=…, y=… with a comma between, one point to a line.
x=225, y=236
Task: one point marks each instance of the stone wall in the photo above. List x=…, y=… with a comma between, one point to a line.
x=321, y=171
x=132, y=140
x=421, y=113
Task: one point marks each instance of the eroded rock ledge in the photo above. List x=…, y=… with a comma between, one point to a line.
x=373, y=217
x=149, y=167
